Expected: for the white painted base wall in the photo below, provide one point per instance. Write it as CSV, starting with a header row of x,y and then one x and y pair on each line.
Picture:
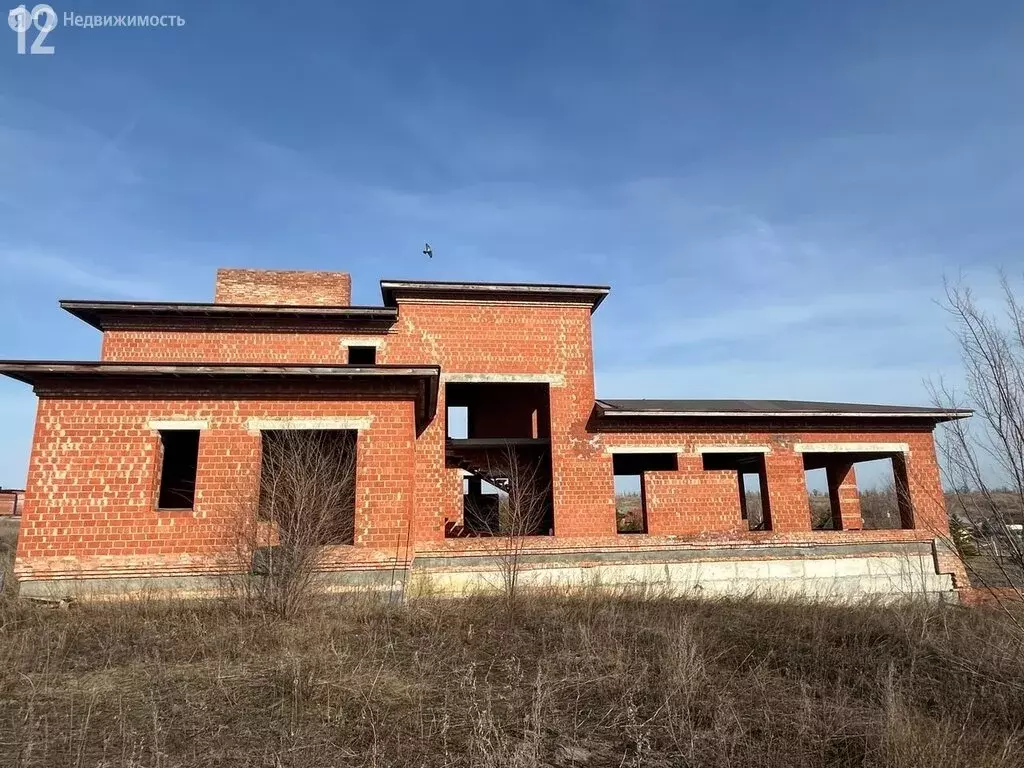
x,y
839,578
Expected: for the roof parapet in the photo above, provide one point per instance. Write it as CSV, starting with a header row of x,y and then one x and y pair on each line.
x,y
163,315
394,290
784,409
50,377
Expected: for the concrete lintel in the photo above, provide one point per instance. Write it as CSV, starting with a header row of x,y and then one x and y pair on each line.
x,y
341,422
701,450
851,448
552,379
644,449
361,341
168,425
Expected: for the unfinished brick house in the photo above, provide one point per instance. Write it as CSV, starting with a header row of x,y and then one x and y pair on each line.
x,y
136,459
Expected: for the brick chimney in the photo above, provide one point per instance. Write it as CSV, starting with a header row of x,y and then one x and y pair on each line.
x,y
287,287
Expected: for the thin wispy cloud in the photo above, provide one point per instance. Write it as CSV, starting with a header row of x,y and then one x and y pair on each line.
x,y
66,274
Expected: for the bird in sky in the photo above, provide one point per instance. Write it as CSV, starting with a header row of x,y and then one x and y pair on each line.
x,y
428,251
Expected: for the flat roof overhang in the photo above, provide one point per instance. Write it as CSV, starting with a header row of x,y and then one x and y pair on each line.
x,y
231,380
394,290
161,315
771,410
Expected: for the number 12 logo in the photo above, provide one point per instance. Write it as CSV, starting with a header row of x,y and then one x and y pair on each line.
x,y
21,20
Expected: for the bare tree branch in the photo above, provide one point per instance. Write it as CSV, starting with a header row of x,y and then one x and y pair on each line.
x,y
523,511
983,457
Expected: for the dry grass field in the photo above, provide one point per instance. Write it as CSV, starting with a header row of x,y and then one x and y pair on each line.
x,y
592,679
589,680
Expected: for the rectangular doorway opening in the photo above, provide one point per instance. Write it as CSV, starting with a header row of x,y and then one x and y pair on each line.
x,y
630,509
858,491
629,470
884,502
823,517
499,435
752,485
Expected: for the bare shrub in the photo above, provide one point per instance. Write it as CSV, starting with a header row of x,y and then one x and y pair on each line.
x,y
297,508
629,513
880,507
984,456
8,545
523,510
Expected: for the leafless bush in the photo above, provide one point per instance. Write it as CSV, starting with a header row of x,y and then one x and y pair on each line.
x,y
299,506
523,511
8,543
984,455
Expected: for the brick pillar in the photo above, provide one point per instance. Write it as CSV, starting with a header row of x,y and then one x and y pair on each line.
x,y
743,494
919,487
787,491
844,496
904,493
766,502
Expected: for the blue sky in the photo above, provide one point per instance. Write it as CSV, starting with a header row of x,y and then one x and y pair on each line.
x,y
774,191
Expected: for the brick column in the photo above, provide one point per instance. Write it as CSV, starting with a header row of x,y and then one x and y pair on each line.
x,y
844,496
787,491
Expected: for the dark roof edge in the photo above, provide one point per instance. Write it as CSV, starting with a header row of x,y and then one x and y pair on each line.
x,y
850,411
17,368
104,314
44,373
554,292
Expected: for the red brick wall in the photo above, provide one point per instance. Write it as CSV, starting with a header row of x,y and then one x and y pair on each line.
x,y
790,511
90,502
266,286
842,484
90,494
226,347
552,341
692,501
10,502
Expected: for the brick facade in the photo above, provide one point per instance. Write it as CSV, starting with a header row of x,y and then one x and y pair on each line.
x,y
90,506
266,286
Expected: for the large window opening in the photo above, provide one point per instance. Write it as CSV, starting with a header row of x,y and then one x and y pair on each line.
x,y
884,497
823,516
630,516
501,410
457,422
754,501
751,484
178,464
499,435
308,485
630,486
854,491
